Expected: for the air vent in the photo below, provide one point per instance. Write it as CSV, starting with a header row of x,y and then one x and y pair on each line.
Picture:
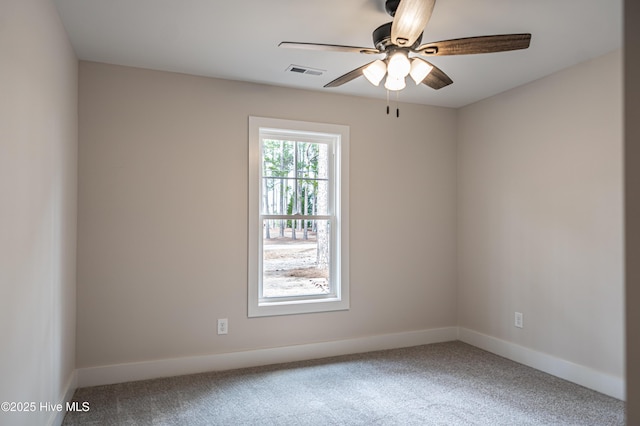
x,y
304,70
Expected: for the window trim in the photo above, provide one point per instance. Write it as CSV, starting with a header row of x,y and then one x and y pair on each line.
x,y
340,261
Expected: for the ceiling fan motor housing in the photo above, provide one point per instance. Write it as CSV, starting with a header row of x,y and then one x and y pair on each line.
x,y
382,37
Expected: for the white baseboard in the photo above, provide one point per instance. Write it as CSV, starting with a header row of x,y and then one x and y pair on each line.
x,y
70,387
120,373
584,376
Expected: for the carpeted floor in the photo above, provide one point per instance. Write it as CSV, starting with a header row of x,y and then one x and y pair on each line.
x,y
441,384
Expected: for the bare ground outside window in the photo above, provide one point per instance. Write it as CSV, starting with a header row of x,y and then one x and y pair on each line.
x,y
290,265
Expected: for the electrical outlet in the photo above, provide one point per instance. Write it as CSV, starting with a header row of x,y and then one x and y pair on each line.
x,y
223,326
519,320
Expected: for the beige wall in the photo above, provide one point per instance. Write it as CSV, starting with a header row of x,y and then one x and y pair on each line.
x,y
632,191
38,166
540,215
162,248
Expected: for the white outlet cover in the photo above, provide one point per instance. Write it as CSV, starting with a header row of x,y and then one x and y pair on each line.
x,y
223,326
519,320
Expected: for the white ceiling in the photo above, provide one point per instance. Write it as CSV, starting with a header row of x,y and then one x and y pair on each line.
x,y
238,40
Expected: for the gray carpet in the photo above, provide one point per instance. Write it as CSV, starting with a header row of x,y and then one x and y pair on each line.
x,y
441,384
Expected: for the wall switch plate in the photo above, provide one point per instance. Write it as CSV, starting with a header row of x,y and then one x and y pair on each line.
x,y
519,322
223,326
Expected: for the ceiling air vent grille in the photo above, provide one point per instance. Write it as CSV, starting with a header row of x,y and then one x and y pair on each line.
x,y
298,69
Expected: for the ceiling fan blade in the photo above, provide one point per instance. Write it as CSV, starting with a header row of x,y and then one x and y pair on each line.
x,y
472,45
436,79
409,21
328,47
351,75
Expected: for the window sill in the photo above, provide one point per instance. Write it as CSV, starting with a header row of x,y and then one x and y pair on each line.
x,y
265,309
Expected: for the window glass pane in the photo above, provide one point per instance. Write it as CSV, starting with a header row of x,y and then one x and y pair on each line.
x,y
313,197
278,195
312,160
277,158
295,196
296,258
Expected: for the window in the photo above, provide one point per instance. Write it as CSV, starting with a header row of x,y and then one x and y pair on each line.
x,y
298,217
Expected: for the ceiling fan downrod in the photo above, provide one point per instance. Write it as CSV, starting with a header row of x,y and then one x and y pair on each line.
x,y
391,6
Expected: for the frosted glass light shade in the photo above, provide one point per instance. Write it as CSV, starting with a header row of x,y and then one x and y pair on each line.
x,y
399,65
394,84
375,72
419,70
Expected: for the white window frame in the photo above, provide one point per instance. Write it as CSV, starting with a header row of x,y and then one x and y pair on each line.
x,y
337,136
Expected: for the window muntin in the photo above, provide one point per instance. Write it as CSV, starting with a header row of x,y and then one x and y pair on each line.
x,y
298,232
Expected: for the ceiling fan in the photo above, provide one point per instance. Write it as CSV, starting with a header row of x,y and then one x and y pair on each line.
x,y
399,39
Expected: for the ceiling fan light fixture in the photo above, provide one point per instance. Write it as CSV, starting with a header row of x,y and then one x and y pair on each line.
x,y
399,65
394,83
375,72
419,70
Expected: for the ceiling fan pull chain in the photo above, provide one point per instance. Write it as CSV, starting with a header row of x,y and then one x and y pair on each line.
x,y
387,102
397,104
